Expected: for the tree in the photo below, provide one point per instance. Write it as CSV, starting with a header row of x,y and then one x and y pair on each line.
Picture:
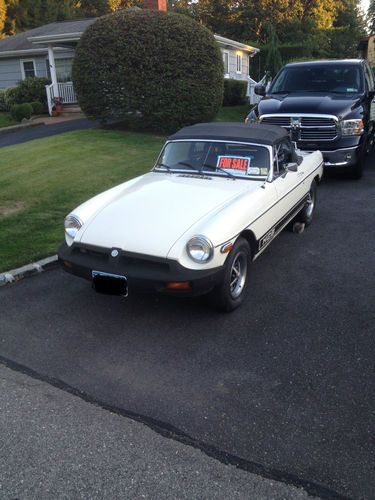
x,y
273,61
27,14
148,68
371,16
348,27
3,11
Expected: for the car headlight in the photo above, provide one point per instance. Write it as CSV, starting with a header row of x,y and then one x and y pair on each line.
x,y
72,225
352,127
200,249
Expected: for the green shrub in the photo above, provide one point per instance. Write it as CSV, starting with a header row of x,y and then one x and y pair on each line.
x,y
21,111
151,69
234,92
31,89
3,106
9,96
37,107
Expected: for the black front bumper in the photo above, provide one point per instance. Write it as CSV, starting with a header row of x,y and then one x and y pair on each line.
x,y
341,153
144,273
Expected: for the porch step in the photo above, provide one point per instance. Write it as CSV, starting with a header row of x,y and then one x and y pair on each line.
x,y
70,110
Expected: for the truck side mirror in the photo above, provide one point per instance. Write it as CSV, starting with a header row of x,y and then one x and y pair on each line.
x,y
260,89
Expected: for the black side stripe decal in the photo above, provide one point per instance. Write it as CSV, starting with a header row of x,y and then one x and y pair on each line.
x,y
271,233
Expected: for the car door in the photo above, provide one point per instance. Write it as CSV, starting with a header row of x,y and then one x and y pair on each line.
x,y
289,185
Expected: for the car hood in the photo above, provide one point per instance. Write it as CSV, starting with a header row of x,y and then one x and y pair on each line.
x,y
318,103
155,211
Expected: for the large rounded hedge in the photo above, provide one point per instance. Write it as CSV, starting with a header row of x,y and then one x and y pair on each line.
x,y
157,70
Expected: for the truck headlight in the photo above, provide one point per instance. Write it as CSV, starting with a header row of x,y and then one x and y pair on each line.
x,y
352,127
200,249
72,225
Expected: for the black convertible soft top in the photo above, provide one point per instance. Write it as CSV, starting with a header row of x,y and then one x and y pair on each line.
x,y
252,132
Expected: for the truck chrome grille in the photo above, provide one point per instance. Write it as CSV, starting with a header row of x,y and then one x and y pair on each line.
x,y
308,128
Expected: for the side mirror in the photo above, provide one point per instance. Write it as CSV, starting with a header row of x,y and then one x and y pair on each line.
x,y
260,89
291,167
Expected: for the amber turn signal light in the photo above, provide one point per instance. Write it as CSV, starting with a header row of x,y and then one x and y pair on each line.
x,y
178,285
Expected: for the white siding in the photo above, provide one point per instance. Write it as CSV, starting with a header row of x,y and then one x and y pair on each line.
x,y
10,69
233,64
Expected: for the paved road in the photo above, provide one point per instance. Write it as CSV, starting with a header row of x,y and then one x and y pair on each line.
x,y
28,134
60,447
283,384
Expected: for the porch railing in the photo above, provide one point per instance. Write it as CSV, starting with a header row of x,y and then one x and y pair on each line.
x,y
65,91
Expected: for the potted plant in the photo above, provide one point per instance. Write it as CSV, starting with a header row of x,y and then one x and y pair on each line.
x,y
57,106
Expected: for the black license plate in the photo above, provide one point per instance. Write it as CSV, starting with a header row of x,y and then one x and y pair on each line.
x,y
110,284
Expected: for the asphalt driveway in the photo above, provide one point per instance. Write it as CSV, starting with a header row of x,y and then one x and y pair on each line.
x,y
28,134
284,385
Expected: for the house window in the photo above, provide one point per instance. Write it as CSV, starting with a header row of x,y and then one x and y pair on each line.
x,y
226,62
239,63
28,68
64,69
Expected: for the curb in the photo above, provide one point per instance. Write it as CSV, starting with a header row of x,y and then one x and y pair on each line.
x,y
28,270
17,128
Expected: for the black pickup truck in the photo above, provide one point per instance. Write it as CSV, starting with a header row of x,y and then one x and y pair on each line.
x,y
326,105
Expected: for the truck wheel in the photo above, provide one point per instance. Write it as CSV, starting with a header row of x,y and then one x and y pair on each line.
x,y
231,292
355,172
307,213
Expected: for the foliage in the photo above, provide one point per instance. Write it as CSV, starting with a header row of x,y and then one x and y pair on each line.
x,y
6,120
273,60
21,111
3,11
38,107
348,28
233,113
371,16
3,105
150,69
22,15
10,96
234,92
31,89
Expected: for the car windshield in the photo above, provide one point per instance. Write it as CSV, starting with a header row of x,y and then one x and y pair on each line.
x,y
334,78
216,158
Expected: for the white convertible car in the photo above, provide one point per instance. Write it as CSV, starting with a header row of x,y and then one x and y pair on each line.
x,y
217,196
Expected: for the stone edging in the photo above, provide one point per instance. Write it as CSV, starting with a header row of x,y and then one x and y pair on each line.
x,y
28,270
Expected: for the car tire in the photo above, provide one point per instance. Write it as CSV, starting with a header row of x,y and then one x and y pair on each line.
x,y
231,292
306,215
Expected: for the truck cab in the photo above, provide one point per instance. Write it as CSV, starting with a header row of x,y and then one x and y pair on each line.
x,y
325,105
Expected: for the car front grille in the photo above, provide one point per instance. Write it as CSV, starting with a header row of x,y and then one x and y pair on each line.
x,y
308,128
128,261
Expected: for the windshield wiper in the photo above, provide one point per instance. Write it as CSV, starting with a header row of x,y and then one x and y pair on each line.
x,y
220,170
185,164
164,166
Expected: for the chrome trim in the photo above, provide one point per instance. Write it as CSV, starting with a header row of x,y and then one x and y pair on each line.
x,y
203,238
318,128
339,164
75,218
334,150
302,115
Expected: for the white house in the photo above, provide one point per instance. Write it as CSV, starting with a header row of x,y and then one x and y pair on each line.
x,y
49,51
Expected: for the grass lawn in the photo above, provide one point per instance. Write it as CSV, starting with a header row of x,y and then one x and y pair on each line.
x,y
233,113
6,120
41,181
